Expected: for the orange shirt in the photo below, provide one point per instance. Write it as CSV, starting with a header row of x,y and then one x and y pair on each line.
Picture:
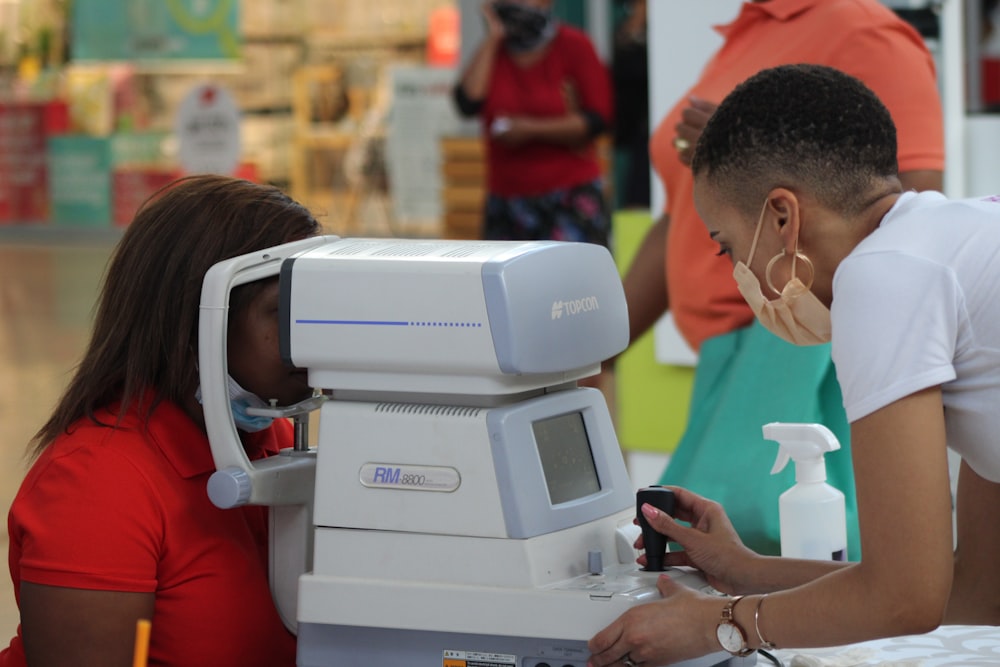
x,y
860,37
127,510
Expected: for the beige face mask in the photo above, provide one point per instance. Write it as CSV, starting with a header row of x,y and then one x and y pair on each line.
x,y
796,316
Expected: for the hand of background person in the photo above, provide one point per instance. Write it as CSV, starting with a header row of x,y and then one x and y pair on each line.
x,y
494,26
693,120
571,98
710,542
511,130
680,626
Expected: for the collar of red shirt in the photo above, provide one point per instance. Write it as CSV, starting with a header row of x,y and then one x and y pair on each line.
x,y
185,445
779,10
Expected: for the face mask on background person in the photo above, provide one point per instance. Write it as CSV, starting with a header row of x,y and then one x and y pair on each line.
x,y
239,400
527,28
796,316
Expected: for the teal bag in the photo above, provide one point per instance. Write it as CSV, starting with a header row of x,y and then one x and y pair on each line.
x,y
744,380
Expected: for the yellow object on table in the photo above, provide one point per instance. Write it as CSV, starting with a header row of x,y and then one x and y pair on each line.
x,y
140,656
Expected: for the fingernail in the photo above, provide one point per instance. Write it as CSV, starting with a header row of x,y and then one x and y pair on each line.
x,y
650,511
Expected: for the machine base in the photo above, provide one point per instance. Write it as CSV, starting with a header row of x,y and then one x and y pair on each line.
x,y
334,645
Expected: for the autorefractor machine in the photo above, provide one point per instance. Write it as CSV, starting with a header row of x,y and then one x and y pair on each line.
x,y
466,504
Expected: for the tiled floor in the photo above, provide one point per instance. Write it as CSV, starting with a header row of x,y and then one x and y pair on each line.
x,y
47,292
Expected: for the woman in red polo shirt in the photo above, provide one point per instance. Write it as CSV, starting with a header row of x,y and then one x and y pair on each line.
x,y
113,522
543,97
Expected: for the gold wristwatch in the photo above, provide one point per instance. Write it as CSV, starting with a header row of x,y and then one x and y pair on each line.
x,y
731,636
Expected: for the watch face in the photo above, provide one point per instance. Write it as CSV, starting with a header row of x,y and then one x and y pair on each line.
x,y
730,637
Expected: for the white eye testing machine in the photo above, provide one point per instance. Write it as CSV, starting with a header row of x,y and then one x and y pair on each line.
x,y
467,504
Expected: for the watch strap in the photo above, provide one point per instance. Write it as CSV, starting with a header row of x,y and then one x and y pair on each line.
x,y
729,617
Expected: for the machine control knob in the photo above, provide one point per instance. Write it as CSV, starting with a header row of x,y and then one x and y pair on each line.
x,y
654,543
229,488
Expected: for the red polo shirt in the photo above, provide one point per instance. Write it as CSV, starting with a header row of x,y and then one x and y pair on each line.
x,y
570,75
123,509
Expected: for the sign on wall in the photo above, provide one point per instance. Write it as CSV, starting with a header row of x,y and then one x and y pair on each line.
x,y
155,29
208,131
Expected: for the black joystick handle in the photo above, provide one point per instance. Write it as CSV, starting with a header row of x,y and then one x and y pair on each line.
x,y
654,543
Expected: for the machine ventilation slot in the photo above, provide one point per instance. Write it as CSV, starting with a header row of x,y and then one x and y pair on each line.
x,y
465,250
415,250
356,248
432,410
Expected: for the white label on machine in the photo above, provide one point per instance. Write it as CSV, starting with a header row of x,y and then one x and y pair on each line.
x,y
477,659
410,477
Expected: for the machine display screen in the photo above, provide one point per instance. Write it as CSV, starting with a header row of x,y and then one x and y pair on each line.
x,y
567,461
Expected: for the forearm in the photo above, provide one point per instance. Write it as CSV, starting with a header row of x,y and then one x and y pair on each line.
x,y
925,179
475,80
769,574
850,605
974,596
571,130
975,590
903,583
645,281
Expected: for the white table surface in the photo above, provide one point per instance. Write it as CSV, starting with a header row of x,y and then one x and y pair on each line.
x,y
948,646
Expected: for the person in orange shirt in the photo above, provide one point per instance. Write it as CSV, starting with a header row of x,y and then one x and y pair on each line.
x,y
745,376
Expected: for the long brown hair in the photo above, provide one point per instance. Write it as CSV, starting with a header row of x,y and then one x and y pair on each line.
x,y
144,346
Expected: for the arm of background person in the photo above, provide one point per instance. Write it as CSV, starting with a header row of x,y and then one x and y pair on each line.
x,y
926,179
84,628
645,281
474,83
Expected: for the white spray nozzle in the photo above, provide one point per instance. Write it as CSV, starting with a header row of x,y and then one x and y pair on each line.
x,y
806,444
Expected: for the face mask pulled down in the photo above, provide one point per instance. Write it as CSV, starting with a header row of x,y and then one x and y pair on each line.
x,y
239,400
796,316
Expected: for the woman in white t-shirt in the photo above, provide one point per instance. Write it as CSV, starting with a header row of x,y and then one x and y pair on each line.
x,y
795,178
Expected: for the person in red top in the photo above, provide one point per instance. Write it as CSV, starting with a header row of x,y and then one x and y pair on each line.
x,y
746,377
113,523
543,96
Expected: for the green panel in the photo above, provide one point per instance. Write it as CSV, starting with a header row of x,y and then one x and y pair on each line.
x,y
652,399
573,12
80,180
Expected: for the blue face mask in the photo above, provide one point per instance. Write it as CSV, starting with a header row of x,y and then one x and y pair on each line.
x,y
239,400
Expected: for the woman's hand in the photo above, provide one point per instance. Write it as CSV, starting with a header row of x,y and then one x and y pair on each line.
x,y
693,120
710,543
681,626
495,31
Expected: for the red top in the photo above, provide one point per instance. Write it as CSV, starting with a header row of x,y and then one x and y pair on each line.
x,y
127,510
570,69
860,37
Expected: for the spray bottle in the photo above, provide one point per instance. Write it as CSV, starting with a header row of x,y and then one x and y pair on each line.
x,y
812,515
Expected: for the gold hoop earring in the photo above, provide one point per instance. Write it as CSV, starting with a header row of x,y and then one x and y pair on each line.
x,y
797,257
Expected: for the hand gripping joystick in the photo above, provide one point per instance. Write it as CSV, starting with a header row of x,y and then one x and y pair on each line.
x,y
655,543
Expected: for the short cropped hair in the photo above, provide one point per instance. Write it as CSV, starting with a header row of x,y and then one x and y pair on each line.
x,y
806,127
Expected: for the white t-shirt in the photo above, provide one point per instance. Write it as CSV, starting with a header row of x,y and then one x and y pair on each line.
x,y
917,304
